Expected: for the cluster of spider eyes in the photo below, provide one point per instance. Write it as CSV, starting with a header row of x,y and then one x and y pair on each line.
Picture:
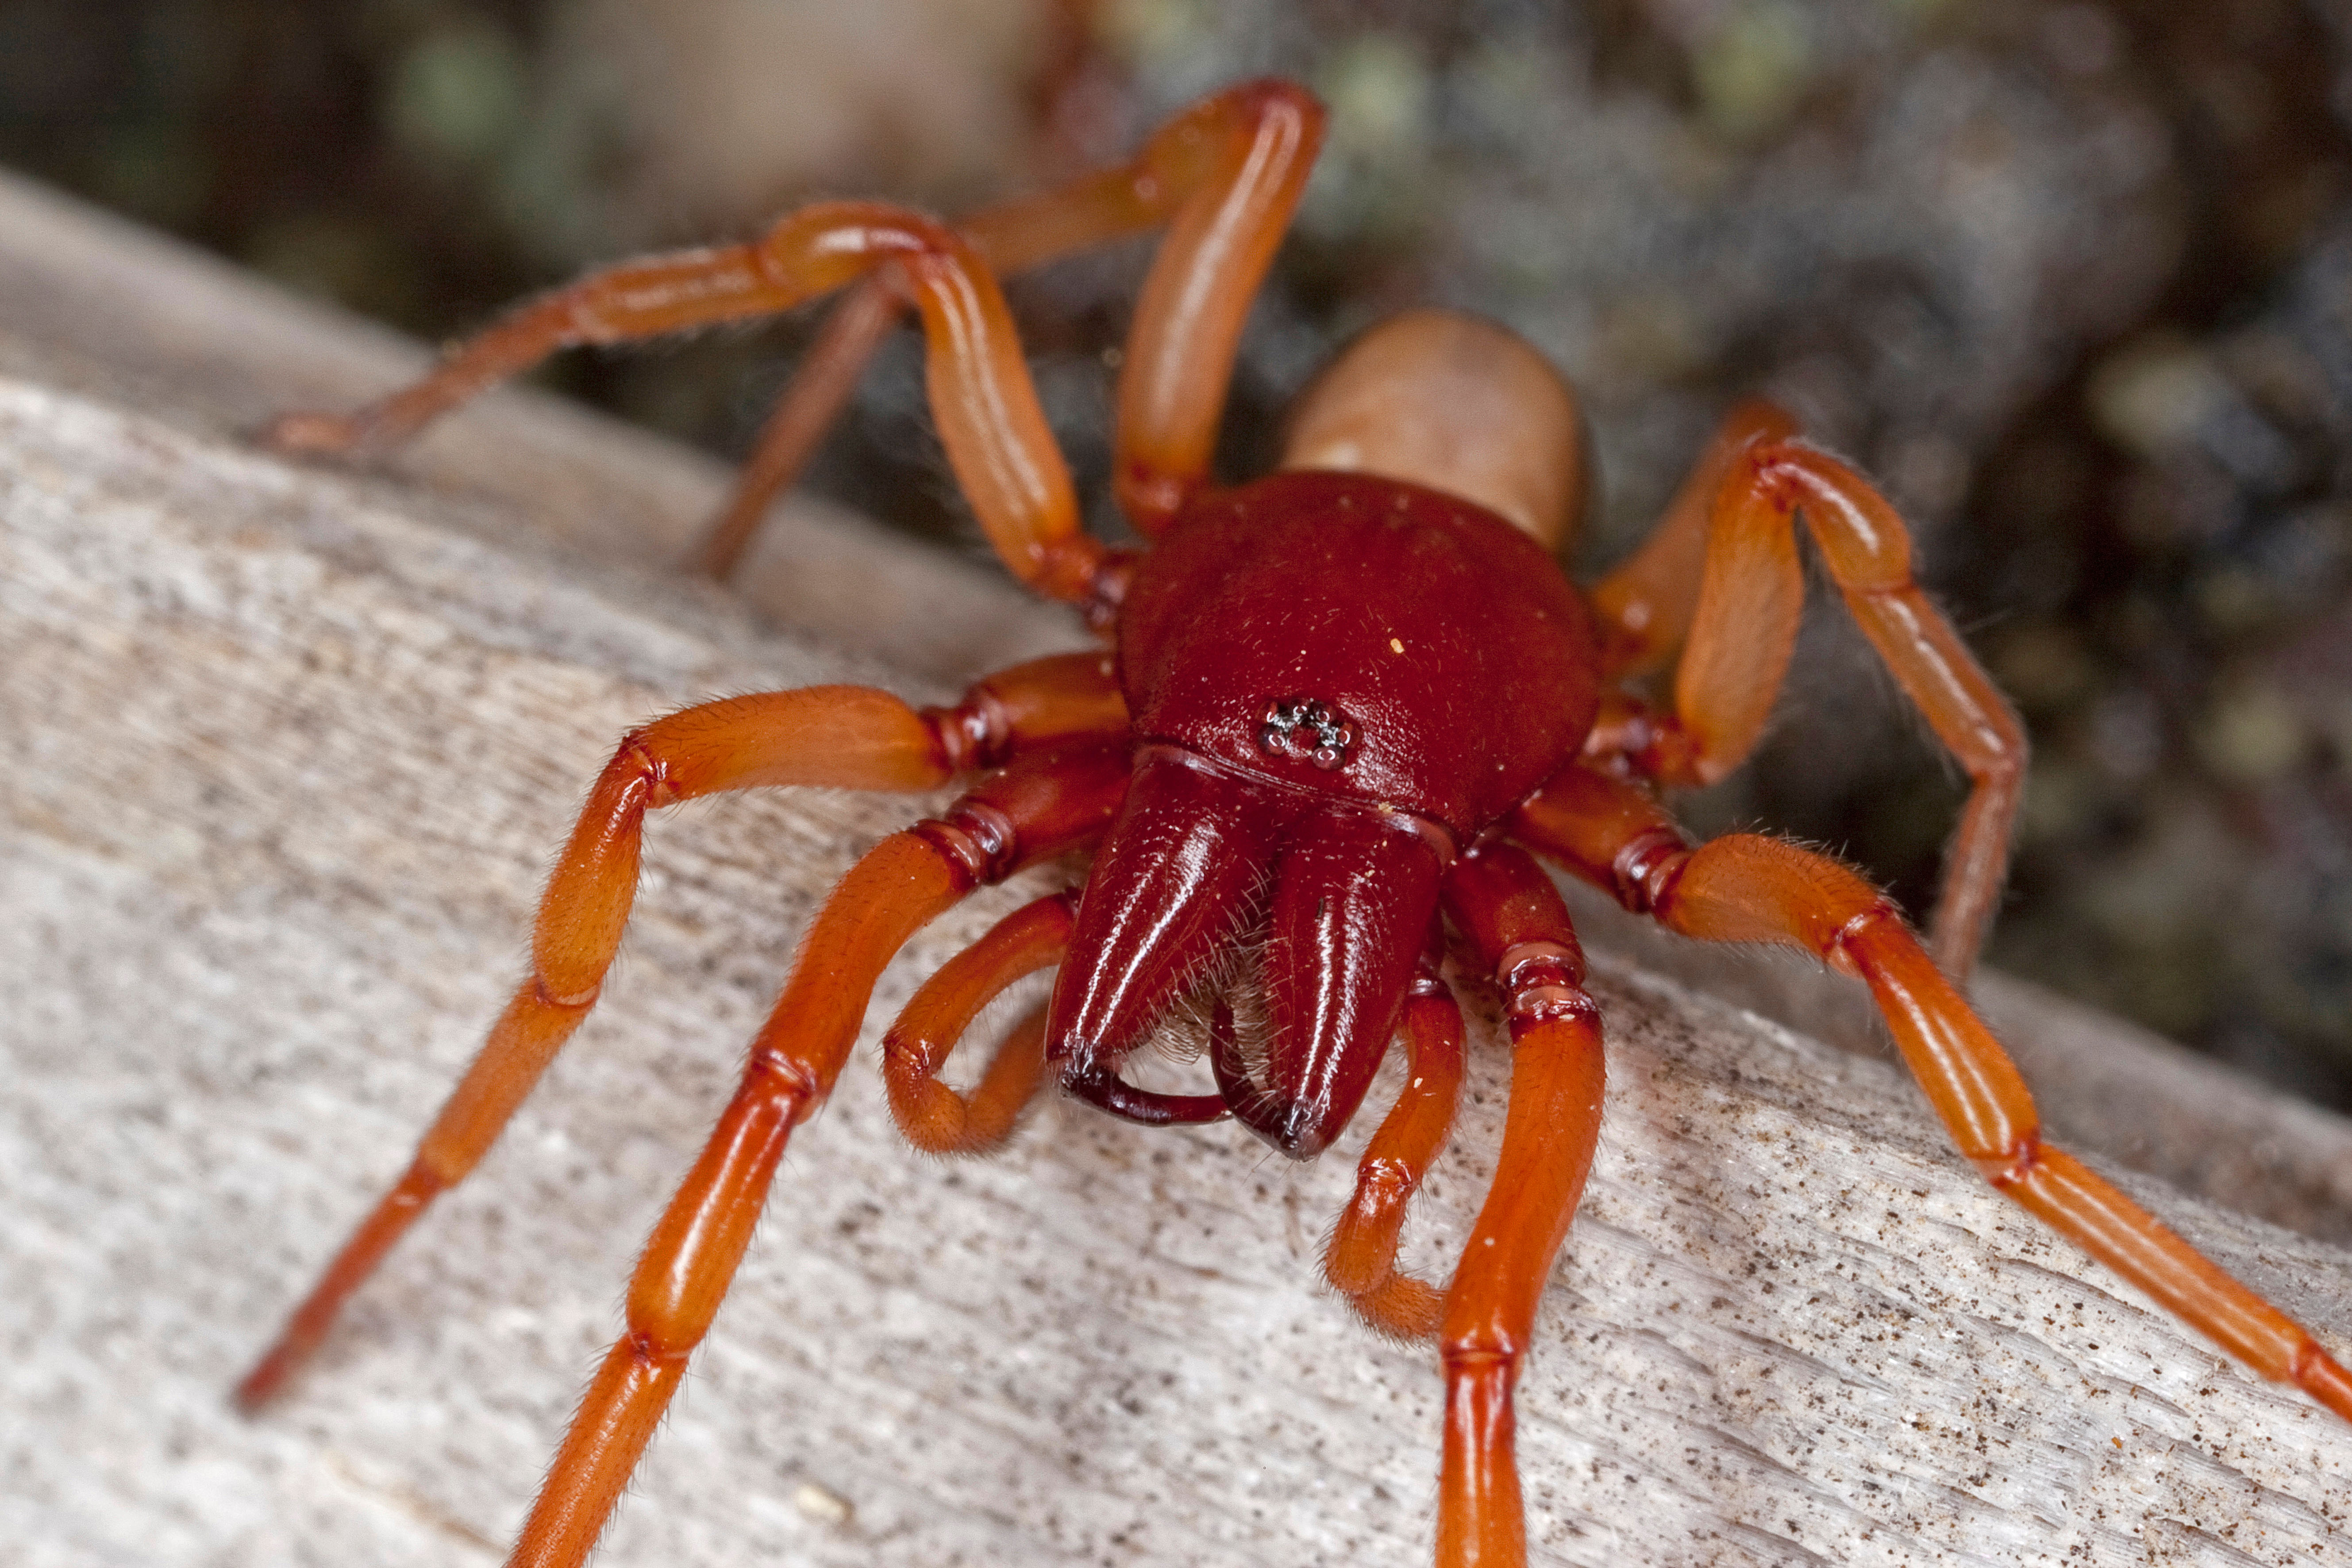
x,y
1302,727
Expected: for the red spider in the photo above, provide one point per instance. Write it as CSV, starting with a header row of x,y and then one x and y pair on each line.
x,y
1345,702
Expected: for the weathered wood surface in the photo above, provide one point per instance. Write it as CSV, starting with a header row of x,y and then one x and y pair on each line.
x,y
291,750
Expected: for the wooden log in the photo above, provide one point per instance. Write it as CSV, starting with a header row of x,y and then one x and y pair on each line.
x,y
293,748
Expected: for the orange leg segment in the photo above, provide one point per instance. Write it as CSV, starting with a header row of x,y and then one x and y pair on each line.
x,y
845,737
1011,236
827,376
1244,157
1645,604
1225,174
1228,171
1751,597
995,433
1518,928
1360,1261
1744,888
933,1117
1029,813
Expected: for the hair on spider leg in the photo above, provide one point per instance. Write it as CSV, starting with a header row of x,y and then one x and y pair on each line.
x,y
993,1031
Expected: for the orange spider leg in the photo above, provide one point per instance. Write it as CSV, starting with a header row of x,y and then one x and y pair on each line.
x,y
1743,888
846,737
827,375
1519,930
1868,551
1228,171
1256,146
1645,604
934,1117
1033,810
1743,626
1360,1261
995,435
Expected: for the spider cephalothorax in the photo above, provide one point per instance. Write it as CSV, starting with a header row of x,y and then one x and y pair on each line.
x,y
1344,708
1464,665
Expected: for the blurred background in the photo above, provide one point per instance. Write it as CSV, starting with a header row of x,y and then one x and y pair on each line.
x,y
2073,280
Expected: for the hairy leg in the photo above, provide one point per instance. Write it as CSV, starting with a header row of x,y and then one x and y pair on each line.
x,y
995,433
933,1117
1360,1261
1644,607
1237,155
827,375
1520,931
1743,627
843,737
1744,888
1224,173
1031,811
1254,147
